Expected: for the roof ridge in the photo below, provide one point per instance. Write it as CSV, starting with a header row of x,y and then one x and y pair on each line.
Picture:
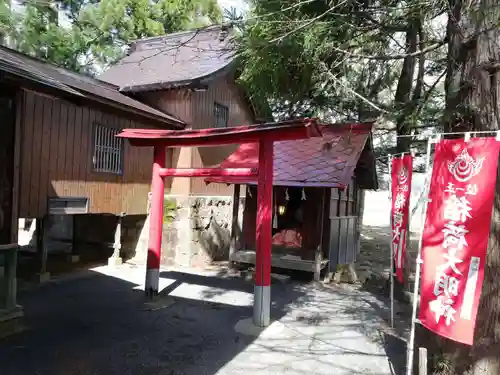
x,y
57,67
166,37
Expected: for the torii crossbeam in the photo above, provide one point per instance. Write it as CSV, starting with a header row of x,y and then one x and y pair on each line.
x,y
265,135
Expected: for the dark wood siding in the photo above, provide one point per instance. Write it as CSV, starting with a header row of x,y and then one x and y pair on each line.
x,y
56,159
7,171
223,92
176,103
17,166
196,109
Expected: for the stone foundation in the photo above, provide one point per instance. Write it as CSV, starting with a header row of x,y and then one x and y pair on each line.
x,y
199,233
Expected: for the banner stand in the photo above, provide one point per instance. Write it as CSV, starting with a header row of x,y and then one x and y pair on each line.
x,y
411,343
391,255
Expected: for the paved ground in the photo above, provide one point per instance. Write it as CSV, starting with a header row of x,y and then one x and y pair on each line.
x,y
101,325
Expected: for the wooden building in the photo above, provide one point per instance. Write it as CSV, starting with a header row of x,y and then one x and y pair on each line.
x,y
192,76
318,198
60,156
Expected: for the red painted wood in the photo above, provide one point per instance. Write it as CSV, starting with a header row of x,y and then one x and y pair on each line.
x,y
326,161
264,214
207,172
156,215
288,130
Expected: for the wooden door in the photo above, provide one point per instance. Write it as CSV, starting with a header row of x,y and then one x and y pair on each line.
x,y
343,244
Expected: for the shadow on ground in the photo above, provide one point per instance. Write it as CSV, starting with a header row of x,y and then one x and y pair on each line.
x,y
100,325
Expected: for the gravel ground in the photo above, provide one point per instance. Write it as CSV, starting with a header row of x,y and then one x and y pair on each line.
x,y
373,259
100,324
373,265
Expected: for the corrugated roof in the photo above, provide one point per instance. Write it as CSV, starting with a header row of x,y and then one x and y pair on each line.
x,y
173,60
326,161
26,67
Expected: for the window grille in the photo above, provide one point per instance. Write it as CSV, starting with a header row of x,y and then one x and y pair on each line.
x,y
221,114
108,150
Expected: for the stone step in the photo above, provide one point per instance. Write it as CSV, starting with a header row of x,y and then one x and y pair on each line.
x,y
11,321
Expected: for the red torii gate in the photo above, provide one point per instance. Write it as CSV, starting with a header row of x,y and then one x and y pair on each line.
x,y
265,135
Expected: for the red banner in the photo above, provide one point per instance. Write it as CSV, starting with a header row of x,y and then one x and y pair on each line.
x,y
401,172
455,235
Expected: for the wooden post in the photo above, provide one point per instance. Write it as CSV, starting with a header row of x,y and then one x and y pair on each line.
x,y
10,278
318,256
422,361
74,256
42,249
234,224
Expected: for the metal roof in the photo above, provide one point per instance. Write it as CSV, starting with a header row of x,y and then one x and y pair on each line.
x,y
27,68
326,161
173,60
16,64
292,129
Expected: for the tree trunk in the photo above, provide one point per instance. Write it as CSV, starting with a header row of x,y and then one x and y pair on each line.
x,y
472,80
472,92
406,101
405,87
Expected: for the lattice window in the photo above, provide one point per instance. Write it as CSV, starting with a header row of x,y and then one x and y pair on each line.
x,y
221,114
108,150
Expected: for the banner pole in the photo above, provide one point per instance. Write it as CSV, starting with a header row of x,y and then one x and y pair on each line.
x,y
391,255
411,343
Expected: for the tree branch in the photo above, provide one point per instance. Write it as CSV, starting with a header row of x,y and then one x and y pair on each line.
x,y
391,57
310,22
429,92
359,96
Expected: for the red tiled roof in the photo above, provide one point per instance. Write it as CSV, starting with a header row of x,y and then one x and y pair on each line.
x,y
327,161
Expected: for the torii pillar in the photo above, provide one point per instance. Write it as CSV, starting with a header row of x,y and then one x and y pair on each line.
x,y
262,289
155,224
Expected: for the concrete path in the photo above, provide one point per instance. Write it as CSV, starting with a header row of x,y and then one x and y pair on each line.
x,y
101,325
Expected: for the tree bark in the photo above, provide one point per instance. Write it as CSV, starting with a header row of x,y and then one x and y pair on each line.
x,y
404,99
472,92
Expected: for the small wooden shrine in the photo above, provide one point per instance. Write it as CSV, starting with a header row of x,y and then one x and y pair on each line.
x,y
318,188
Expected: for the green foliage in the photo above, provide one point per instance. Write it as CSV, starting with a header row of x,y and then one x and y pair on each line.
x,y
6,21
89,34
169,211
308,58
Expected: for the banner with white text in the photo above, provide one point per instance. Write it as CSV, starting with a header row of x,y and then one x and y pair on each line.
x,y
401,173
455,235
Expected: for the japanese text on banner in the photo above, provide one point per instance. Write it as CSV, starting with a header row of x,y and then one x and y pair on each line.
x,y
455,236
400,207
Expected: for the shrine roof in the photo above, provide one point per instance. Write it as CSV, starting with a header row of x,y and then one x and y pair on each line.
x,y
329,160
